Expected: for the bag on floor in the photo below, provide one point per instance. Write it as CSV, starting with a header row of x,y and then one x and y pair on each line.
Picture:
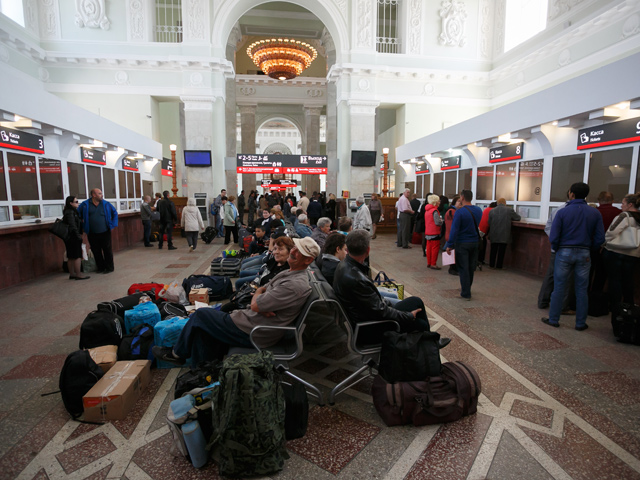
x,y
296,417
140,314
100,328
170,309
209,234
197,377
249,389
409,357
175,293
441,399
166,332
79,374
416,238
218,287
243,234
146,287
385,284
626,324
137,345
598,304
121,305
228,267
89,265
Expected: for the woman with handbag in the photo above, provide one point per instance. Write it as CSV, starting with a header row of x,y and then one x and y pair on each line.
x,y
71,218
621,252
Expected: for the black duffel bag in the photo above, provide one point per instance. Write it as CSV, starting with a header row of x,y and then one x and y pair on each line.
x,y
121,305
296,418
218,287
170,309
409,357
100,328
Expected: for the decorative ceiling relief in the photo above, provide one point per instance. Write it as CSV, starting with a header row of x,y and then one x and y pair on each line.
x,y
48,19
43,74
31,15
92,14
122,78
195,20
454,16
363,85
631,26
501,9
196,79
342,6
248,91
314,93
564,58
136,20
429,89
486,28
415,27
558,7
365,23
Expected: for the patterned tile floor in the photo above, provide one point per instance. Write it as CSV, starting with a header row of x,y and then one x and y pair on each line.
x,y
556,403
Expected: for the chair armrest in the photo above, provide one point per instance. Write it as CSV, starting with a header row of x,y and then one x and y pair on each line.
x,y
361,325
270,327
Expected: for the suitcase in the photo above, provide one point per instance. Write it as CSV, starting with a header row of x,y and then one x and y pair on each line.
x,y
209,234
626,324
156,288
598,304
228,267
243,234
442,399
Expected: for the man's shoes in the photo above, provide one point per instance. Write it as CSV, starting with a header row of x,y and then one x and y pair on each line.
x,y
160,247
582,328
190,248
435,267
407,246
165,354
468,299
172,248
568,311
443,342
108,271
454,272
546,321
82,278
542,306
149,245
99,271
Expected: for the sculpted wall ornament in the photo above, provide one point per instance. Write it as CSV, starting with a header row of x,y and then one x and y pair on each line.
x,y
196,79
564,58
558,7
486,28
92,14
519,79
195,19
342,6
314,93
365,22
415,23
499,30
48,16
122,78
363,85
136,20
43,74
248,91
429,89
454,16
631,26
31,15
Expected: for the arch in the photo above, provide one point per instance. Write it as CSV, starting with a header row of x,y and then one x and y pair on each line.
x,y
283,118
277,147
231,11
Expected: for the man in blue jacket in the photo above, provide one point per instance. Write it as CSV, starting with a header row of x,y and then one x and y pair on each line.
x,y
576,230
99,217
464,239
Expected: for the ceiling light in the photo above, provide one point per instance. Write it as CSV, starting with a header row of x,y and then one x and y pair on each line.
x,y
282,58
554,123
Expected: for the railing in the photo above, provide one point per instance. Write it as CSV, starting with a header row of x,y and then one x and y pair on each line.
x,y
168,21
387,45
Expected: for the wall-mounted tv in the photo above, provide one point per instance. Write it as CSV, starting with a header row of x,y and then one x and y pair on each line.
x,y
197,158
363,158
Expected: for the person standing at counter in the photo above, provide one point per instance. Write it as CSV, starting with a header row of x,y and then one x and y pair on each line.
x,y
98,219
168,218
73,243
145,217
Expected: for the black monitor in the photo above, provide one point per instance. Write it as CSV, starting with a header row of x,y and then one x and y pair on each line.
x,y
363,158
197,158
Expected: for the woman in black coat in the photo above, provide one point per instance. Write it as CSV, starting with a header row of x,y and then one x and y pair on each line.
x,y
73,243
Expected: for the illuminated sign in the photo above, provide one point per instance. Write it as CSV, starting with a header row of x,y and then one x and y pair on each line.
x,y
450,163
128,164
513,151
19,140
625,131
88,155
258,163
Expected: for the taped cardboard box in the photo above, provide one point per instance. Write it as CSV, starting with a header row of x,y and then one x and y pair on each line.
x,y
105,356
115,394
199,295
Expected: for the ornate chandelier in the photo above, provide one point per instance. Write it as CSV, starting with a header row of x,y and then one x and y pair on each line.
x,y
282,58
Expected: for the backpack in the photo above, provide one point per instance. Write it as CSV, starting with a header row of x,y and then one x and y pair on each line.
x,y
289,229
218,287
100,328
248,417
170,309
197,377
79,374
121,305
142,313
137,344
209,234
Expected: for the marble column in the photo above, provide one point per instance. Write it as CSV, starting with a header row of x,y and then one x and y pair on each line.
x,y
248,145
311,183
362,129
332,140
231,174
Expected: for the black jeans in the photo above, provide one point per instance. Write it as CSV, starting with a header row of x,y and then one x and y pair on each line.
x,y
168,229
146,225
466,259
496,257
227,234
101,247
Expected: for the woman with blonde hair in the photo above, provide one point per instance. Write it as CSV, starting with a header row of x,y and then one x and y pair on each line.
x,y
432,230
191,223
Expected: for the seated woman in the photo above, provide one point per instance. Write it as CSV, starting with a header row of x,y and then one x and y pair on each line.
x,y
333,252
275,264
265,220
250,270
277,219
322,230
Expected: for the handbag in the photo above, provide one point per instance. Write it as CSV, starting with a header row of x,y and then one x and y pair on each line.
x,y
385,284
242,297
60,229
625,235
409,357
155,216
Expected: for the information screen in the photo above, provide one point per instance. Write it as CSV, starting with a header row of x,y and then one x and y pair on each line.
x,y
306,164
615,133
129,164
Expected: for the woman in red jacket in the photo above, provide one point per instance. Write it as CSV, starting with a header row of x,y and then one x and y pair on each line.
x,y
432,230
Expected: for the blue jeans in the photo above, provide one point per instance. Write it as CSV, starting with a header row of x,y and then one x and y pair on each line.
x,y
576,261
245,279
146,225
208,335
252,262
466,258
219,224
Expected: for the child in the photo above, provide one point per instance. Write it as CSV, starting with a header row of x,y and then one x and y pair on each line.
x,y
259,244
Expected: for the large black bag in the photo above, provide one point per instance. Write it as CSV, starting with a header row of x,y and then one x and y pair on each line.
x,y
170,309
598,304
218,287
626,324
242,297
60,229
137,344
228,267
121,305
79,374
296,418
100,328
409,357
209,234
197,377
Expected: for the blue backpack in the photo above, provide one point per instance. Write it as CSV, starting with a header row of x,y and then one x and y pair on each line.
x,y
137,345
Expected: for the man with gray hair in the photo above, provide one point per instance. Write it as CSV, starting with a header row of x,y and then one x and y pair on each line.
x,y
361,300
406,214
362,218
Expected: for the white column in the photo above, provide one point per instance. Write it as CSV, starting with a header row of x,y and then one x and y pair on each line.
x,y
312,134
248,143
362,128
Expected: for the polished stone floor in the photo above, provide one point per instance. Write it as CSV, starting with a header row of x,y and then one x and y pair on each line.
x,y
555,403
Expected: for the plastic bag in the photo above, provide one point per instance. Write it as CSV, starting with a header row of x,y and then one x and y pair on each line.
x,y
174,293
85,255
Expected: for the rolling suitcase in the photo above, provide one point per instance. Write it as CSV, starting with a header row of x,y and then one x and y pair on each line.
x,y
626,324
228,267
209,234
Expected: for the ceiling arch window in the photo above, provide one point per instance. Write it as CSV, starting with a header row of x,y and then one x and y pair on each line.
x,y
523,20
277,149
168,27
387,37
14,10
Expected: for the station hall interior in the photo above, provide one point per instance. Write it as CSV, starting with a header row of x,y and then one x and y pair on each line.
x,y
511,99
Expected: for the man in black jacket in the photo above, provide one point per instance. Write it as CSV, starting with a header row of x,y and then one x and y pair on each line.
x,y
168,217
363,303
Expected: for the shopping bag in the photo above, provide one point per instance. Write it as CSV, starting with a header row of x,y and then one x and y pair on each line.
x,y
89,265
449,258
385,284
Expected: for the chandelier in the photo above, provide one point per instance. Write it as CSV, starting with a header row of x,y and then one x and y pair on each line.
x,y
282,58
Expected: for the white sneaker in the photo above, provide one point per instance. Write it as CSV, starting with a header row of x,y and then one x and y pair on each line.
x,y
190,249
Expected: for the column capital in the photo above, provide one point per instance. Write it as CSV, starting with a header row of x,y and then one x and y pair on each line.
x,y
248,109
192,102
312,110
363,107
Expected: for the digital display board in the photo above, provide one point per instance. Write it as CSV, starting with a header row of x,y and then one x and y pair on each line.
x,y
97,157
625,131
258,163
19,140
513,151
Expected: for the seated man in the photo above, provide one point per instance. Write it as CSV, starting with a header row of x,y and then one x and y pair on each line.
x,y
363,303
209,333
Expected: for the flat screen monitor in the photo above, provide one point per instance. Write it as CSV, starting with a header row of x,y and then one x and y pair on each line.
x,y
363,158
197,158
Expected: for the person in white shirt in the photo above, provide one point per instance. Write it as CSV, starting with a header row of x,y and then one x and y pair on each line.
x,y
362,218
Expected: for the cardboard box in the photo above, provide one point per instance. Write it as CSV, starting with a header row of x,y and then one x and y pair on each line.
x,y
115,394
106,356
199,295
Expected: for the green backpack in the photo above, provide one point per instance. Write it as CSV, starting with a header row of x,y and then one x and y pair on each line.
x,y
248,417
